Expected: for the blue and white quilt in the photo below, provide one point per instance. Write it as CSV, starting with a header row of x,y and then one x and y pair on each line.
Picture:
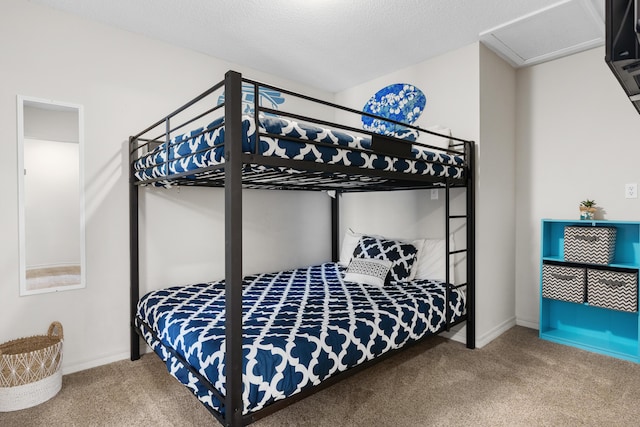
x,y
299,328
204,147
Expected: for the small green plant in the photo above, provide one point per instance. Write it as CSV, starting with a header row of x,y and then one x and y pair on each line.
x,y
588,203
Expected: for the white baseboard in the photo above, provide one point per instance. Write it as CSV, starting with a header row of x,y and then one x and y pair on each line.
x,y
81,366
528,324
494,333
457,333
77,367
460,334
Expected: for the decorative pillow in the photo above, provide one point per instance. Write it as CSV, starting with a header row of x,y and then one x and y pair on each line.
x,y
402,255
369,271
350,241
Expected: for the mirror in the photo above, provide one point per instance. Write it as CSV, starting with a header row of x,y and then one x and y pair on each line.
x,y
51,197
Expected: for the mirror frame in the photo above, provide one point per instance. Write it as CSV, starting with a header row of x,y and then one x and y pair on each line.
x,y
54,105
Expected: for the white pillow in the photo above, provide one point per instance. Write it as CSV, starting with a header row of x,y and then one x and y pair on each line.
x,y
432,258
350,241
436,141
369,271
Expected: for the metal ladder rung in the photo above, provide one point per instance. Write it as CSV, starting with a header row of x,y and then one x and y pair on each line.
x,y
457,216
457,251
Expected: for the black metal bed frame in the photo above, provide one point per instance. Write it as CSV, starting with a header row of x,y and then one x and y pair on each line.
x,y
233,175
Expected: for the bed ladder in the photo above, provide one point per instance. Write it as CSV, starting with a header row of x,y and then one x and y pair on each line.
x,y
468,250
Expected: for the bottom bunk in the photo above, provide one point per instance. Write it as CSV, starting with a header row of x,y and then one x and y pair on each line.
x,y
300,328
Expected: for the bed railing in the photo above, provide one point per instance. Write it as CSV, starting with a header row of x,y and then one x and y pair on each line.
x,y
157,139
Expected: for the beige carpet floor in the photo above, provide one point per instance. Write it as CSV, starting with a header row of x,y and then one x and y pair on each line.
x,y
517,380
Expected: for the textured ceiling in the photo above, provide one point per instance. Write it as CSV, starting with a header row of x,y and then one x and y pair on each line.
x,y
328,44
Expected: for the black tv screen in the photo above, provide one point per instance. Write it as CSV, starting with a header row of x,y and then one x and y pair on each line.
x,y
637,19
623,45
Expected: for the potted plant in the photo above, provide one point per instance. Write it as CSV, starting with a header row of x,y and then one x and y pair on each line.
x,y
587,209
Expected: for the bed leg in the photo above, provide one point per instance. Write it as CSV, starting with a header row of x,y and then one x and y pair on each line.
x,y
471,246
134,258
471,329
335,226
135,344
233,248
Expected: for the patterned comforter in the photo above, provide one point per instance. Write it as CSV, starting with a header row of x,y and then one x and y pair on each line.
x,y
204,147
299,328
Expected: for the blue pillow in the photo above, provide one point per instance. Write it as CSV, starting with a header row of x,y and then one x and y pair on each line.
x,y
402,255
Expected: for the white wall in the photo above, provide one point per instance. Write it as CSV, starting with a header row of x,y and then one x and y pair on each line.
x,y
281,230
471,91
495,222
125,82
450,83
578,137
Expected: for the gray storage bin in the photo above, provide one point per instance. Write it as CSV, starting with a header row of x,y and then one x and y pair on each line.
x,y
589,245
613,289
563,283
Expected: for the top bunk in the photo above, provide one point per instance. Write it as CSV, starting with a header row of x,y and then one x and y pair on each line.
x,y
312,145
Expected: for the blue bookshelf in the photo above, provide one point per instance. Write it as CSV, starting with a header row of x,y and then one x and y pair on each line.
x,y
602,330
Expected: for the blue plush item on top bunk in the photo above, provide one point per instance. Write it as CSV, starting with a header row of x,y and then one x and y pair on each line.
x,y
300,327
204,148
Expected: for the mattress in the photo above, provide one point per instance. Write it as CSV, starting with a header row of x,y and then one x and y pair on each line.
x,y
300,327
204,147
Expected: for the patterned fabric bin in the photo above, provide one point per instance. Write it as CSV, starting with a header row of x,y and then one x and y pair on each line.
x,y
589,245
30,369
563,283
613,289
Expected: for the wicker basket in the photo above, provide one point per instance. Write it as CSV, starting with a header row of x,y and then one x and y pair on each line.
x,y
30,369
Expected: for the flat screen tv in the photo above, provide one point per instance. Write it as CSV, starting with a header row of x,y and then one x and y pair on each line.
x,y
623,45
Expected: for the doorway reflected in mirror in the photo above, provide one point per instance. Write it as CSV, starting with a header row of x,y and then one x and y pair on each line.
x,y
50,142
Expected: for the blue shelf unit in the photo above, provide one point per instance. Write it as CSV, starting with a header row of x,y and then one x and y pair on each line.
x,y
602,330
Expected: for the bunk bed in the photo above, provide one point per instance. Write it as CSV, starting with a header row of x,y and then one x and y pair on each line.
x,y
248,346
